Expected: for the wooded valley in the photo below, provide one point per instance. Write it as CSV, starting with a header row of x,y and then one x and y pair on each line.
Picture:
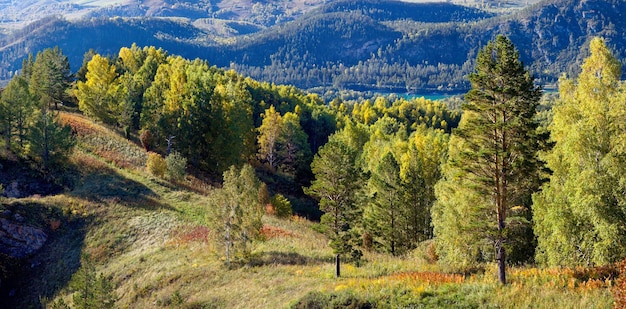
x,y
182,184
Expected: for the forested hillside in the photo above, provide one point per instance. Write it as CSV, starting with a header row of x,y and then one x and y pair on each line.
x,y
137,177
368,45
156,181
433,56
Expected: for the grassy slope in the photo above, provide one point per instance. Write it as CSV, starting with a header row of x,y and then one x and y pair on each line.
x,y
150,237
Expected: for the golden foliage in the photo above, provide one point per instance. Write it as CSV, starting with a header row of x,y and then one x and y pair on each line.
x,y
156,165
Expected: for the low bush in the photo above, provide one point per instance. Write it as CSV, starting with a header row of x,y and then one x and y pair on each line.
x,y
315,300
146,139
281,205
176,166
156,164
312,300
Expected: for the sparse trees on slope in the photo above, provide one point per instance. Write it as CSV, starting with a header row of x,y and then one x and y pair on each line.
x,y
497,158
26,113
579,215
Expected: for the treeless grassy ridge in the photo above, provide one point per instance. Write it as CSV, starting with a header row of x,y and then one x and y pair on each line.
x,y
154,240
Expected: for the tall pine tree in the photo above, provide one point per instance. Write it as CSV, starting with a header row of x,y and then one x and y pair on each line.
x,y
17,105
384,215
336,185
497,160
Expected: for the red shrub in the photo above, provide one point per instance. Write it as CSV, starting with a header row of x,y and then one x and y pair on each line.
x,y
268,231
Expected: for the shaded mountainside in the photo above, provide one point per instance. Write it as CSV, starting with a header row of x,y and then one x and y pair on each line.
x,y
387,45
550,36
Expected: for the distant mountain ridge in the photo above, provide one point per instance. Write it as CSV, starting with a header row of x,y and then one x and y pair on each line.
x,y
422,56
385,45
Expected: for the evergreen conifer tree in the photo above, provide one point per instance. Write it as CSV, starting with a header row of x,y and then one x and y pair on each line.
x,y
497,161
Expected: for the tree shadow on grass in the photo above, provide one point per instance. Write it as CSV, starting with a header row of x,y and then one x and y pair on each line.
x,y
43,274
285,258
21,178
107,185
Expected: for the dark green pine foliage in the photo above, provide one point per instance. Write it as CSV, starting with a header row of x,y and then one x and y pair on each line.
x,y
90,290
336,185
50,141
384,216
16,107
501,139
51,76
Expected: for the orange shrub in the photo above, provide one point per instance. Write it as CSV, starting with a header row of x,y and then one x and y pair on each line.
x,y
619,289
146,139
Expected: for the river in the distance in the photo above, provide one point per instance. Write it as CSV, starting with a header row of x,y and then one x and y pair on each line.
x,y
433,96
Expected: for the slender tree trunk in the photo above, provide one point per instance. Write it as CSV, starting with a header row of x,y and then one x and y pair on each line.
x,y
46,139
228,244
501,262
170,142
7,136
393,230
337,265
503,203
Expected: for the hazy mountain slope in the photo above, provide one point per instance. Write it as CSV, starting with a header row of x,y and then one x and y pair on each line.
x,y
106,36
266,13
336,33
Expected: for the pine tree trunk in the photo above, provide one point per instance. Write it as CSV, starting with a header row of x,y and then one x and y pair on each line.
x,y
502,264
7,136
